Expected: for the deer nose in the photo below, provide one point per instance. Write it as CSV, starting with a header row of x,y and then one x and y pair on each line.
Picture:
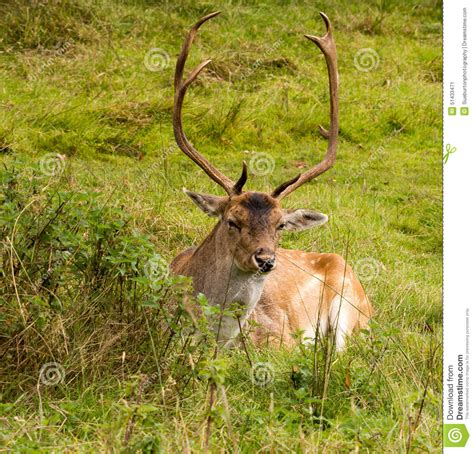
x,y
265,259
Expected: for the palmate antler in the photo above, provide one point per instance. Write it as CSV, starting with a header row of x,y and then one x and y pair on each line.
x,y
327,46
180,88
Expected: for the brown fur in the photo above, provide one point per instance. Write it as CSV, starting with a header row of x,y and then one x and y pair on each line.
x,y
298,294
307,291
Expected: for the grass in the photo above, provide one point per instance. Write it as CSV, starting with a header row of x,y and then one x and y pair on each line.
x,y
74,240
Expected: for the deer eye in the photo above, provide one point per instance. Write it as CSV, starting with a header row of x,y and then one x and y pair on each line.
x,y
233,226
281,226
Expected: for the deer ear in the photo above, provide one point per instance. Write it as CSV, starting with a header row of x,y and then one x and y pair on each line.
x,y
212,205
297,220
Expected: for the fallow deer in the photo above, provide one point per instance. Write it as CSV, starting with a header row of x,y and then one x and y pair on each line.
x,y
239,263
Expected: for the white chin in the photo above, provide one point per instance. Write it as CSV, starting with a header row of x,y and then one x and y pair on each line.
x,y
245,269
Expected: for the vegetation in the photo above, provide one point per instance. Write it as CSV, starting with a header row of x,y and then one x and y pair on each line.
x,y
98,352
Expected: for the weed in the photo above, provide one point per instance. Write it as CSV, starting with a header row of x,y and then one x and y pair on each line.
x,y
99,347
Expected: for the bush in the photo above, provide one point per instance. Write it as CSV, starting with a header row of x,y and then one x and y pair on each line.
x,y
81,288
49,24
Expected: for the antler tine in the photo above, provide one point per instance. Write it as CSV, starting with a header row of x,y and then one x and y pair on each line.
x,y
328,48
180,88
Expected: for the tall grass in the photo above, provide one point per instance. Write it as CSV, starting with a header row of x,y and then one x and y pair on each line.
x,y
98,344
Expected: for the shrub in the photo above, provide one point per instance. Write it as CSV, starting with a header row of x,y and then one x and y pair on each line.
x,y
83,289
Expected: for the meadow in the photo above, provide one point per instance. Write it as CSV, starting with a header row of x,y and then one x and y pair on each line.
x,y
97,350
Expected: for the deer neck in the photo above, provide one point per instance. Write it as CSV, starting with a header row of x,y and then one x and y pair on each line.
x,y
216,275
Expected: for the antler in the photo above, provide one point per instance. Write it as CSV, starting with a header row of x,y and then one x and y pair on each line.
x,y
328,47
180,88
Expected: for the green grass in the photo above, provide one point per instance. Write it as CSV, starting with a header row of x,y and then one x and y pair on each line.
x,y
75,84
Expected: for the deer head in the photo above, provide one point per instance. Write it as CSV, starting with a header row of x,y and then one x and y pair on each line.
x,y
250,223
